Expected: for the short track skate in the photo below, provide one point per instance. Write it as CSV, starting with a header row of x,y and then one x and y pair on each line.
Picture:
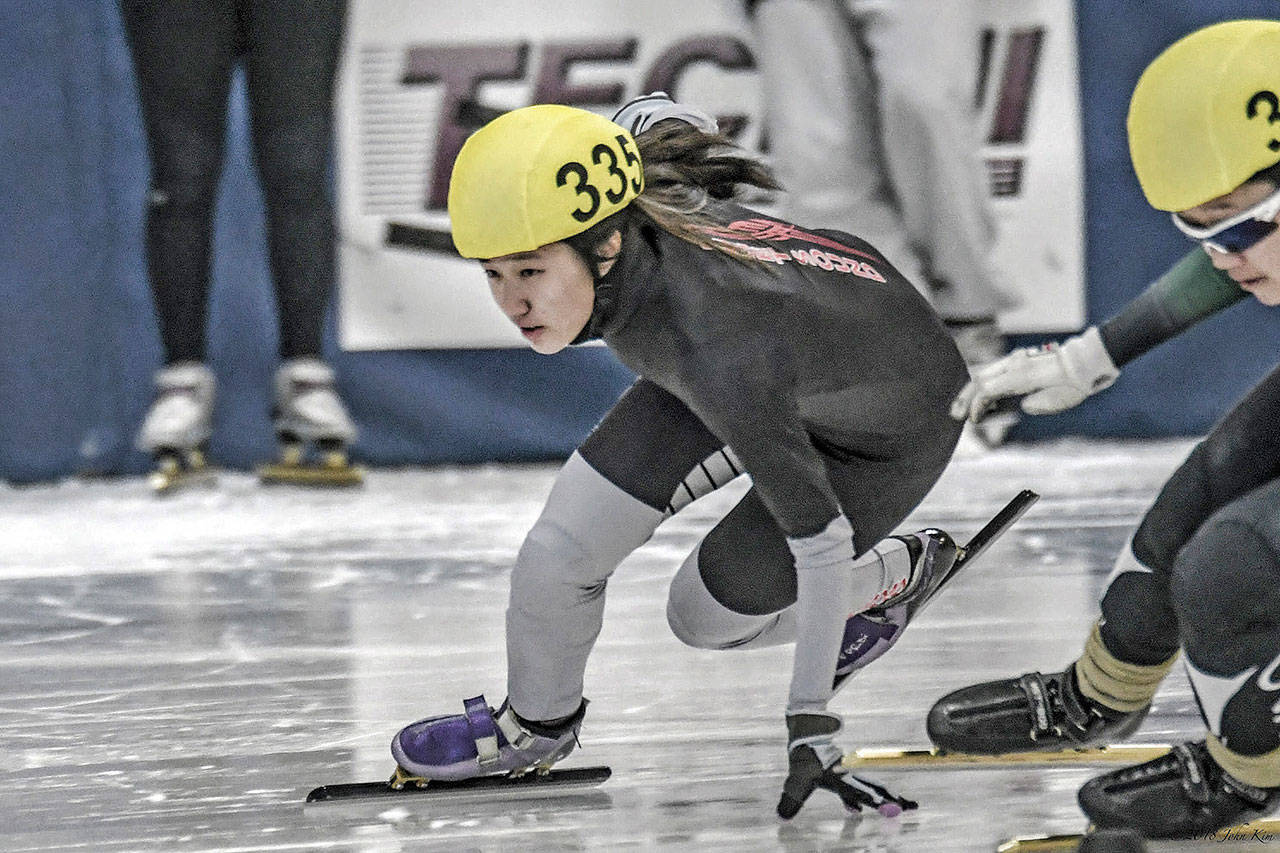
x,y
871,633
324,463
178,469
533,783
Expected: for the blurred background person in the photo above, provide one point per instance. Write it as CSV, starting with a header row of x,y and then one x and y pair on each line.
x,y
872,128
184,54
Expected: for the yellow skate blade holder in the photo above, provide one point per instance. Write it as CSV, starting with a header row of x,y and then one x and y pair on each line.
x,y
1041,843
335,469
401,778
175,471
1255,830
1124,753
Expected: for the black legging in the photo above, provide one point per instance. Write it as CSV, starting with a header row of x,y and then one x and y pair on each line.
x,y
184,54
1212,541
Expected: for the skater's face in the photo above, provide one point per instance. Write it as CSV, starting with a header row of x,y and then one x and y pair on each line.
x,y
548,293
1255,268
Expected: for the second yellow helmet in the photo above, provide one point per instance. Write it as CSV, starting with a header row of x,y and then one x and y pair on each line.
x,y
1205,114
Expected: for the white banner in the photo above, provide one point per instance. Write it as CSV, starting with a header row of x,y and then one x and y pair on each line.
x,y
1033,153
419,76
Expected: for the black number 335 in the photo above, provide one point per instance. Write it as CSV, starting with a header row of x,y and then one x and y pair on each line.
x,y
615,191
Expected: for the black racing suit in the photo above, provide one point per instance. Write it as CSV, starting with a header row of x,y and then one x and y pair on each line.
x,y
184,54
823,369
1212,537
816,368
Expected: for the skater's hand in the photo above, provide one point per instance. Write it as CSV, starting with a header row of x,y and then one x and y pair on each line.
x,y
1049,379
814,761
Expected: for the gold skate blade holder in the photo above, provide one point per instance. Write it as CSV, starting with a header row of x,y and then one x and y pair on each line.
x,y
1255,830
179,469
401,777
1123,753
333,469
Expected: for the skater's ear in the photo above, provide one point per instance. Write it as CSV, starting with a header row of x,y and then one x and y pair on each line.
x,y
607,252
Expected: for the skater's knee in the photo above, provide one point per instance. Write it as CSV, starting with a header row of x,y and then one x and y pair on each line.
x,y
1139,625
699,620
185,179
552,567
686,600
1225,585
684,630
745,564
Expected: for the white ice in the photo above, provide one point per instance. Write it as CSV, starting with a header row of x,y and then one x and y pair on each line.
x,y
178,672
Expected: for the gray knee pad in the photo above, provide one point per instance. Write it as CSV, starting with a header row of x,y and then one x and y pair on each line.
x,y
586,529
1225,585
697,619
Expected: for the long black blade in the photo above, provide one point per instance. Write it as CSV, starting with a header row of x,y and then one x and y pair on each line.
x,y
531,783
996,527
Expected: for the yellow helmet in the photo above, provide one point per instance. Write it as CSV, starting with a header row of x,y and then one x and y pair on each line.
x,y
538,175
1205,114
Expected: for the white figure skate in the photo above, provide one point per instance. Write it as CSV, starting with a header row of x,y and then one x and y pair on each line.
x,y
177,427
313,428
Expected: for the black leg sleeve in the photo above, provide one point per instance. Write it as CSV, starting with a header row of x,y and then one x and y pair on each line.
x,y
292,58
653,448
1226,590
183,53
1239,454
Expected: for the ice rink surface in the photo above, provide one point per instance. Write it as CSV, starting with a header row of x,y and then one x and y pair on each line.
x,y
177,673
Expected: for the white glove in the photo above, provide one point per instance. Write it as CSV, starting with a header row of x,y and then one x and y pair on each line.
x,y
1049,378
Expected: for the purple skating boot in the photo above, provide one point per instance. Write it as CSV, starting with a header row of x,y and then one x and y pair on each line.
x,y
480,742
870,634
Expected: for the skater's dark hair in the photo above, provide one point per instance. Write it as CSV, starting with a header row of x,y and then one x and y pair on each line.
x,y
1270,174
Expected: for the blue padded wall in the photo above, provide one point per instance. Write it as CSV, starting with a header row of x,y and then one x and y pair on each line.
x,y
78,341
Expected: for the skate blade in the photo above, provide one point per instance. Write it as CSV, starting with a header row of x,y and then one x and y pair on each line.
x,y
995,528
1123,753
1041,843
1255,831
554,783
284,473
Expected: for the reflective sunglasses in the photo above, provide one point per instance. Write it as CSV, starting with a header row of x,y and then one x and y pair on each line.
x,y
1240,231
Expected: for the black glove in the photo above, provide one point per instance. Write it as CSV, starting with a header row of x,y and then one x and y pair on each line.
x,y
814,762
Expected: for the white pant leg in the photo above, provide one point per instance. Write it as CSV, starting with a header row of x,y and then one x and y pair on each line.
x,y
823,128
925,58
698,620
558,584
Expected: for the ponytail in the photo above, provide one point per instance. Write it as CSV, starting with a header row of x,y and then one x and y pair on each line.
x,y
684,170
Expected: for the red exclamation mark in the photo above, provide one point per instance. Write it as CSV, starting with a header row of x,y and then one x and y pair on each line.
x,y
1013,102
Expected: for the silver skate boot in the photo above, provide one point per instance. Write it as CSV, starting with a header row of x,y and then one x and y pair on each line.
x,y
313,428
177,426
